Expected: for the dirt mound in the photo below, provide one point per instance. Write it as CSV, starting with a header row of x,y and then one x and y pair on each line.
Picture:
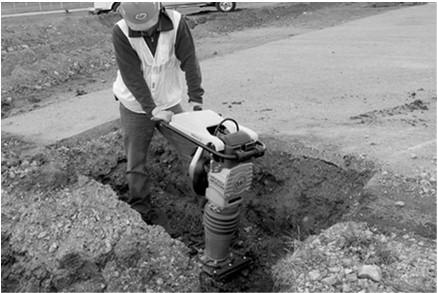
x,y
82,238
249,18
351,257
38,57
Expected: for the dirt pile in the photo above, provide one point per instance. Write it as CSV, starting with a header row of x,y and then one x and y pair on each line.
x,y
394,202
351,257
63,230
39,57
82,238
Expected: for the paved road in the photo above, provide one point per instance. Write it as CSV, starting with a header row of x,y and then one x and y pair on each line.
x,y
308,86
304,87
182,9
45,12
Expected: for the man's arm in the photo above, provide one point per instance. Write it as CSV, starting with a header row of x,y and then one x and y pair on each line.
x,y
185,52
130,68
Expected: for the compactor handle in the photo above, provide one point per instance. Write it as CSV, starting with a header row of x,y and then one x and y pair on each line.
x,y
239,156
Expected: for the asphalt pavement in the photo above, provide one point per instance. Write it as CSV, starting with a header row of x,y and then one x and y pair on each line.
x,y
45,12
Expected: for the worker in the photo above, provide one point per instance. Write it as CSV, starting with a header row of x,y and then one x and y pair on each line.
x,y
154,52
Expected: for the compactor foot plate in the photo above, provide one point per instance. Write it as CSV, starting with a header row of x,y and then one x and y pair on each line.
x,y
227,268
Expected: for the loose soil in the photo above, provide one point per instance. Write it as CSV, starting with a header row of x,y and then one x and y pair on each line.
x,y
63,226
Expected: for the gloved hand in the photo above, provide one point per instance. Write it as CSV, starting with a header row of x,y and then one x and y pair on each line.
x,y
196,106
161,115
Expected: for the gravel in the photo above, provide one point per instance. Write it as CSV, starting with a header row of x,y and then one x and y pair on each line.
x,y
84,239
352,257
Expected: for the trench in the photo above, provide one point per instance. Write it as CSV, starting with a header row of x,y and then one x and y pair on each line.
x,y
292,197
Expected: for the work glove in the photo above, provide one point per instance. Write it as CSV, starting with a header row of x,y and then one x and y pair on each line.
x,y
196,106
161,115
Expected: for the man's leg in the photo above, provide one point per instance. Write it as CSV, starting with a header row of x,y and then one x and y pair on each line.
x,y
138,130
184,148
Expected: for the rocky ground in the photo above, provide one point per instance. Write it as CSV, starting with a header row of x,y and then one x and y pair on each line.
x,y
64,229
352,257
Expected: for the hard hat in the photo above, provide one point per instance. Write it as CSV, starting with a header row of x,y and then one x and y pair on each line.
x,y
140,16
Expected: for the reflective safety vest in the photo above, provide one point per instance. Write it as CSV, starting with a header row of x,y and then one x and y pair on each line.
x,y
161,72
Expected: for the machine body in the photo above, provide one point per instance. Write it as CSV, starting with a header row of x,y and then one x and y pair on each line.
x,y
221,170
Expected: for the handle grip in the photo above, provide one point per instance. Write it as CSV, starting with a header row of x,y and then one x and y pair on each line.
x,y
239,156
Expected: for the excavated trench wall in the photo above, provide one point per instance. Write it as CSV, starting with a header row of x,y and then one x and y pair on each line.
x,y
293,195
291,191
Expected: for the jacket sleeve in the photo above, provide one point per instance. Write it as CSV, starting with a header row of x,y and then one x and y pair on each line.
x,y
185,52
130,69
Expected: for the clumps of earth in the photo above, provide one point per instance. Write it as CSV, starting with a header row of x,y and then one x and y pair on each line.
x,y
65,229
353,257
407,108
82,238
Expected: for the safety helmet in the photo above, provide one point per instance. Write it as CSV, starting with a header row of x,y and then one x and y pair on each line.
x,y
140,16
